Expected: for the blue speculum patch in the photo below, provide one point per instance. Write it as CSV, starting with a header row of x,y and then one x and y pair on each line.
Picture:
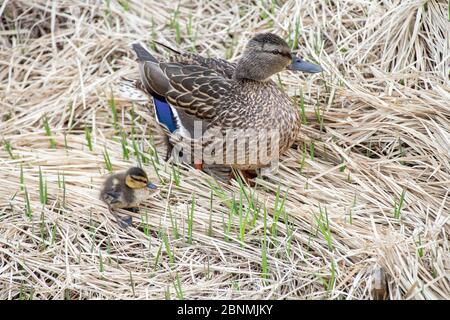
x,y
164,113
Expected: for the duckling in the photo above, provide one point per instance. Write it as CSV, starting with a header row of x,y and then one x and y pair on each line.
x,y
126,191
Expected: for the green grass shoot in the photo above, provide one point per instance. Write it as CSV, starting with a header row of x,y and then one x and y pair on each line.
x,y
350,211
108,9
399,205
8,148
189,26
302,109
277,211
243,219
124,4
420,251
302,160
264,263
255,208
178,289
280,82
48,132
152,150
88,135
176,174
43,195
107,160
158,255
211,200
156,170
124,143
22,180
324,226
168,249
319,116
342,167
112,105
28,211
227,227
62,186
167,293
248,197
177,32
191,219
328,285
140,156
174,223
332,280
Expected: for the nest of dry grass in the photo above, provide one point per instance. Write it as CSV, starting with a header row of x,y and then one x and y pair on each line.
x,y
364,189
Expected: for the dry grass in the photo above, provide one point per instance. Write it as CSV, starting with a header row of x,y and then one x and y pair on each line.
x,y
377,124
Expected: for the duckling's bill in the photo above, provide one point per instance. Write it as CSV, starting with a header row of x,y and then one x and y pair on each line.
x,y
299,64
151,186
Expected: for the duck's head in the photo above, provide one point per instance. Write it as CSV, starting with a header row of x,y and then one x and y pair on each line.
x,y
267,54
136,178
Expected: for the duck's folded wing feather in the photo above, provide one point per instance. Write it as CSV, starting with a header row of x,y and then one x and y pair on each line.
x,y
197,90
221,66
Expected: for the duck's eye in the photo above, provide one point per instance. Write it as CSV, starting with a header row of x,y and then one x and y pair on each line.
x,y
275,51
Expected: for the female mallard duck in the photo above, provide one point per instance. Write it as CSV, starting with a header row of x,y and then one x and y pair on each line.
x,y
126,190
235,103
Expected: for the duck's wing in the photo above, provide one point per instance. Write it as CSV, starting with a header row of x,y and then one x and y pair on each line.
x,y
221,66
197,90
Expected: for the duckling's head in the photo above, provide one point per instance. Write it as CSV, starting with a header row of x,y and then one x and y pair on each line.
x,y
267,54
136,178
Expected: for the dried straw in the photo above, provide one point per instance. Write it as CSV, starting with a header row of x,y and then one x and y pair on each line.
x,y
377,125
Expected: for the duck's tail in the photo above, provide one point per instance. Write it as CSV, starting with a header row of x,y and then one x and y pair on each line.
x,y
142,53
127,90
166,116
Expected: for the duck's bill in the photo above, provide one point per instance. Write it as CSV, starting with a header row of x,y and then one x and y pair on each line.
x,y
305,66
151,186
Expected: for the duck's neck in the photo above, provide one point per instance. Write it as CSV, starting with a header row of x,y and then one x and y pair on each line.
x,y
249,68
